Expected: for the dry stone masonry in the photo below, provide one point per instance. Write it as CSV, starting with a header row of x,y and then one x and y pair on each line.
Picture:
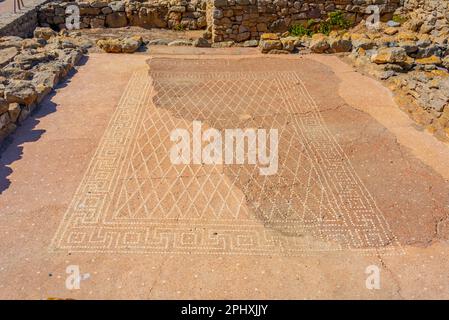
x,y
178,14
423,8
240,20
29,70
23,23
227,20
413,58
410,53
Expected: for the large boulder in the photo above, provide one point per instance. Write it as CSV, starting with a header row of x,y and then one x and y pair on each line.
x,y
201,43
223,44
406,36
110,45
319,43
269,36
7,55
13,72
125,45
33,43
14,111
361,40
130,45
290,43
431,50
44,81
340,43
44,33
389,55
28,59
181,43
151,19
386,41
409,46
159,42
97,23
391,31
20,91
10,41
413,24
266,46
429,60
251,43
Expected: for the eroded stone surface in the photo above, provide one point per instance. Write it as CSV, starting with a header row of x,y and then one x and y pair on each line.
x,y
30,68
124,45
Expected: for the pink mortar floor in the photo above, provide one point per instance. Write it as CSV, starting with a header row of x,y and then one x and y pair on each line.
x,y
7,6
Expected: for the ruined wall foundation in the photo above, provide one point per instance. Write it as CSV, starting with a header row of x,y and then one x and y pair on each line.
x,y
178,15
23,23
240,20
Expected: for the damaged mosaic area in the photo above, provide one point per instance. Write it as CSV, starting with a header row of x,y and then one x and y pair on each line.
x,y
133,199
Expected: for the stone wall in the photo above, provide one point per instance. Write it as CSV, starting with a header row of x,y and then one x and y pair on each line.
x,y
29,69
438,6
240,20
427,16
23,23
177,14
228,20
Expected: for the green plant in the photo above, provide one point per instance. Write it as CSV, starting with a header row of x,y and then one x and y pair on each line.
x,y
299,30
324,27
179,27
337,20
398,18
310,23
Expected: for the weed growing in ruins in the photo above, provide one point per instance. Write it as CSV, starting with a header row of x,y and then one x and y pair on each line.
x,y
338,21
335,21
299,30
399,18
324,27
179,27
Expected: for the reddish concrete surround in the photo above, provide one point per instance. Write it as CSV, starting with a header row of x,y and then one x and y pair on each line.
x,y
6,6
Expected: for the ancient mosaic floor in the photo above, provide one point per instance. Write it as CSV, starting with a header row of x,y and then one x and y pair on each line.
x,y
87,181
133,199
